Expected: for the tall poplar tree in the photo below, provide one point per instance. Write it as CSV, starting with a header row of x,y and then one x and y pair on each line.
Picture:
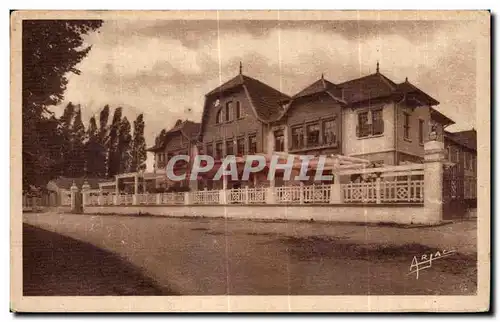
x,y
138,144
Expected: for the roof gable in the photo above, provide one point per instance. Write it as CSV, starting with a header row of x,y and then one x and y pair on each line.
x,y
265,101
366,88
188,129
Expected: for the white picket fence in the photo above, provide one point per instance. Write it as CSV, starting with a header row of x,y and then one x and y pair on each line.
x,y
246,196
205,197
410,191
396,184
172,198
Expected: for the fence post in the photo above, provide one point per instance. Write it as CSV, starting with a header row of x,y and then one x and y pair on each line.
x,y
187,198
74,191
158,198
433,181
85,193
336,190
136,190
377,190
246,194
301,192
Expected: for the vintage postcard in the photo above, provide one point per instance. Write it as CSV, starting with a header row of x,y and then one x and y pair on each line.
x,y
250,161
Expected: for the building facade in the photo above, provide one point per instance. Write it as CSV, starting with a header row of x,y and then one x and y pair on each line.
x,y
371,117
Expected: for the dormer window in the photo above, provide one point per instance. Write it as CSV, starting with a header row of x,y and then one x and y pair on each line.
x,y
219,120
238,110
229,109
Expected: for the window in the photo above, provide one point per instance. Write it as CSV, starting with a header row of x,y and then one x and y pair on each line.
x,y
218,150
252,144
229,147
238,110
329,132
370,123
219,117
377,122
229,108
421,131
457,157
200,148
240,146
298,137
210,149
313,134
279,141
406,125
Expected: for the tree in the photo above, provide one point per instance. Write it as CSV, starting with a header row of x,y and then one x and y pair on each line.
x,y
77,149
102,137
65,137
51,50
114,155
124,146
138,144
94,151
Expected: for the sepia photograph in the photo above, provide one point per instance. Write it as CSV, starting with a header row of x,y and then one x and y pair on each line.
x,y
250,161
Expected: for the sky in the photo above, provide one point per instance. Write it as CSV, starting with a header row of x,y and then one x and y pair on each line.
x,y
164,68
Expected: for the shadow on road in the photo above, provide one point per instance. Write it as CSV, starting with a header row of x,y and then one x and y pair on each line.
x,y
61,266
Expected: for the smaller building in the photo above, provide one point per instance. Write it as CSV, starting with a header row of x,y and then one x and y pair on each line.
x,y
59,193
181,139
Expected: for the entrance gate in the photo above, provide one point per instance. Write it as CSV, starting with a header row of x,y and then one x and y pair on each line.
x,y
453,192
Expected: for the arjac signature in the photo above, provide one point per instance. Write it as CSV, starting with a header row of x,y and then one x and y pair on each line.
x,y
426,261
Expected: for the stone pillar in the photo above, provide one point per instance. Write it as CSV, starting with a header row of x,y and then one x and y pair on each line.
x,y
336,193
270,193
74,197
99,198
187,198
223,192
117,191
136,189
433,181
246,194
85,193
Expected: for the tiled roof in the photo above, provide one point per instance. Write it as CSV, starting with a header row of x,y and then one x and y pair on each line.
x,y
366,88
408,88
320,86
265,99
467,139
66,183
440,117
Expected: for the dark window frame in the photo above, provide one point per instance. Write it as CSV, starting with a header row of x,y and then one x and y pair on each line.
x,y
406,125
325,140
239,147
421,131
219,119
295,143
229,145
310,142
237,112
251,149
228,111
219,153
279,144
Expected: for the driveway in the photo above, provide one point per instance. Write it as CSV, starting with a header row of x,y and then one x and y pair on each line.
x,y
197,256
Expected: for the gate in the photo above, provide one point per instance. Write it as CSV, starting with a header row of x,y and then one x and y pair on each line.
x,y
454,206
